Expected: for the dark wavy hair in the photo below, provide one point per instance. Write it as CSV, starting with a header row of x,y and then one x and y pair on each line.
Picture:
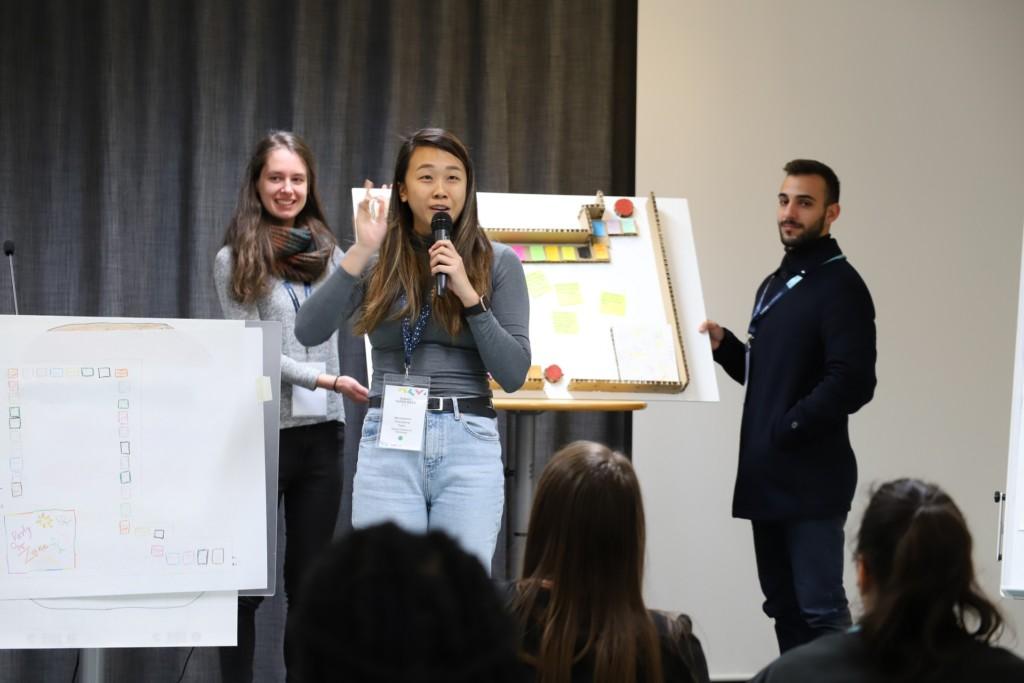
x,y
386,606
583,570
923,598
247,233
812,167
400,268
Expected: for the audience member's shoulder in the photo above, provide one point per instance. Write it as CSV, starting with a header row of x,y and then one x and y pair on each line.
x,y
682,655
841,655
993,664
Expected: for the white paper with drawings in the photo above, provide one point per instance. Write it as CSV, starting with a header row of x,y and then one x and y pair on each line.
x,y
133,458
179,620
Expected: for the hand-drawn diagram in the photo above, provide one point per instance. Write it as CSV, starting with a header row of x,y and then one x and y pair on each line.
x,y
39,541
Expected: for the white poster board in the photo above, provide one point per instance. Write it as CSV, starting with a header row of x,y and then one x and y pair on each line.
x,y
133,459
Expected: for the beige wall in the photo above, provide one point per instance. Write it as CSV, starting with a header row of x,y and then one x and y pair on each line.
x,y
919,106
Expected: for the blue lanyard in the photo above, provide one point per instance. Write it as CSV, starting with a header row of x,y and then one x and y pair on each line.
x,y
761,308
411,334
291,293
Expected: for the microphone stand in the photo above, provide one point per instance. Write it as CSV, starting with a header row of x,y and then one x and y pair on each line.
x,y
14,287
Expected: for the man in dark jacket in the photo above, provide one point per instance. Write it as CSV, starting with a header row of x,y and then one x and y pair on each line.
x,y
808,363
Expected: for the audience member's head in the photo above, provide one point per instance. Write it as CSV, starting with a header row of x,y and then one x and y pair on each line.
x,y
583,567
386,606
917,579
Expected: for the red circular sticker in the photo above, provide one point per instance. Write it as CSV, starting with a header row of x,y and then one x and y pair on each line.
x,y
552,373
624,208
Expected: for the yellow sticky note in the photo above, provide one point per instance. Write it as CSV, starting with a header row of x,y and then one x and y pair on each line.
x,y
568,253
566,322
537,283
613,304
569,294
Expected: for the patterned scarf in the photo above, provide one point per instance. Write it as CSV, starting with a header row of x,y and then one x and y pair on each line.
x,y
297,257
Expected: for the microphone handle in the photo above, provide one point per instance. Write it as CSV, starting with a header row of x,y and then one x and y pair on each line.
x,y
442,278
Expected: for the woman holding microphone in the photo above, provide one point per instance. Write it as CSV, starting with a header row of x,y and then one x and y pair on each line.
x,y
430,456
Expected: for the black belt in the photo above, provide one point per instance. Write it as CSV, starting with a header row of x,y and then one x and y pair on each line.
x,y
474,405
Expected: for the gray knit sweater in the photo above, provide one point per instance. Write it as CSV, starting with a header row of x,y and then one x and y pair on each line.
x,y
495,342
277,305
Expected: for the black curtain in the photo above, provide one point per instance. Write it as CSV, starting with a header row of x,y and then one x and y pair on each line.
x,y
125,126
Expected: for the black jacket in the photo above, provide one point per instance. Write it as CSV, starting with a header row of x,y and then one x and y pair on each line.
x,y
812,364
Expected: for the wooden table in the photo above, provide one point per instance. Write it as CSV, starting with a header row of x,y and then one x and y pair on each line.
x,y
523,413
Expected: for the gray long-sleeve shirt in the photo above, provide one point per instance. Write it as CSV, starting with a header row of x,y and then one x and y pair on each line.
x,y
497,341
278,305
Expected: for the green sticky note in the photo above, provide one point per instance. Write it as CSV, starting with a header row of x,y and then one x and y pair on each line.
x,y
613,303
569,294
566,322
537,252
537,283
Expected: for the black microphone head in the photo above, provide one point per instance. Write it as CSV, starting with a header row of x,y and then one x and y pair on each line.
x,y
9,245
441,226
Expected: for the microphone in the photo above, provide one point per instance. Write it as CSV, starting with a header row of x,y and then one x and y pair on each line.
x,y
441,226
9,253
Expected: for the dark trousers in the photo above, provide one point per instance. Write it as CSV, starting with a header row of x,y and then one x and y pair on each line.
x,y
800,567
309,485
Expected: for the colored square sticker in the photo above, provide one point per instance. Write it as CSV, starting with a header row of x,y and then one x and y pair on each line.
x,y
537,283
568,253
536,252
565,322
613,303
569,294
551,253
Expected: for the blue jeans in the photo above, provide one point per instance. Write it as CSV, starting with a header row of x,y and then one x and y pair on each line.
x,y
800,567
456,484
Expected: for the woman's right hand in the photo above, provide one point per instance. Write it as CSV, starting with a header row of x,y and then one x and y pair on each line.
x,y
371,219
370,227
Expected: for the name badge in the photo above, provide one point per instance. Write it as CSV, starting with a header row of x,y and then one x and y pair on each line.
x,y
310,402
403,412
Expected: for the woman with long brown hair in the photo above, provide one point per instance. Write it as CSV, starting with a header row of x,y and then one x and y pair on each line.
x,y
430,456
579,602
925,619
277,251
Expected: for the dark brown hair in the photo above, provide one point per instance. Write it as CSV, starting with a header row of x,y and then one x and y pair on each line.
x,y
247,233
400,268
812,167
583,570
916,551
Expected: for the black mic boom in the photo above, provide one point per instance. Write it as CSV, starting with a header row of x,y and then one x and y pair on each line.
x,y
9,253
441,226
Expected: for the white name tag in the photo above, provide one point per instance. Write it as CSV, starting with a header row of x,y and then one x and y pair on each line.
x,y
310,402
403,412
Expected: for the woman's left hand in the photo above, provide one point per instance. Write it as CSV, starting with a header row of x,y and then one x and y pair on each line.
x,y
352,388
445,259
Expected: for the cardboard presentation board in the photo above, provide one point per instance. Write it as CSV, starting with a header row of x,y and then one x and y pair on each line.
x,y
615,295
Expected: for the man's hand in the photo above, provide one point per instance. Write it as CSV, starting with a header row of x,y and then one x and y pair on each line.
x,y
715,332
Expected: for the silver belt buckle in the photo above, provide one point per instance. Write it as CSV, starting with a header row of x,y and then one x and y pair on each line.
x,y
439,405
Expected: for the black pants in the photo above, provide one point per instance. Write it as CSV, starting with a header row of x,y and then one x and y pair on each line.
x,y
800,567
309,485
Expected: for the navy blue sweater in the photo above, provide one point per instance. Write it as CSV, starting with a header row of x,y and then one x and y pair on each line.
x,y
812,364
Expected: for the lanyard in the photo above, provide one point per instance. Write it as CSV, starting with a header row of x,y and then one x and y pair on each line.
x,y
411,334
761,308
291,293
